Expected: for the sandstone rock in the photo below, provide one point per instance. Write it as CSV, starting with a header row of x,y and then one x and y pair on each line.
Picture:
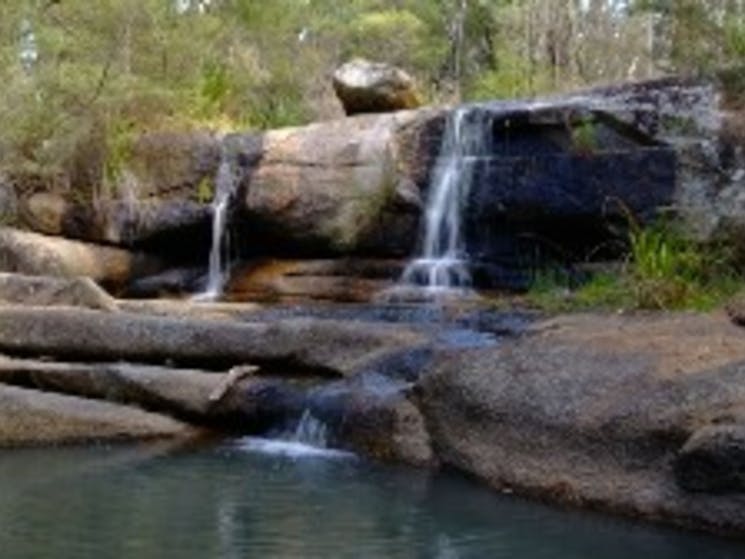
x,y
163,194
355,280
593,410
34,254
44,212
324,347
183,393
52,291
342,187
30,417
371,87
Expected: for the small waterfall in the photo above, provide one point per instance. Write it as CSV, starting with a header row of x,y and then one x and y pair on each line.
x,y
443,263
226,183
310,431
308,438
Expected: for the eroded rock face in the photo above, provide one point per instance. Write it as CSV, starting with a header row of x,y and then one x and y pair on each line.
x,y
344,187
372,87
705,129
358,186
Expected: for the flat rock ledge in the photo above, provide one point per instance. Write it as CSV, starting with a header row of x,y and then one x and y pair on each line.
x,y
325,347
642,415
31,418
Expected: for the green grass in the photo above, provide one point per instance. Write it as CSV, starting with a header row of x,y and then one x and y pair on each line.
x,y
662,270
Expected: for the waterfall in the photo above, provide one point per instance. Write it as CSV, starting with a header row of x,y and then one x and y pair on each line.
x,y
443,263
226,183
310,431
308,438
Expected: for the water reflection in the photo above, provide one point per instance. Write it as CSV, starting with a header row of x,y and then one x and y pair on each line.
x,y
234,501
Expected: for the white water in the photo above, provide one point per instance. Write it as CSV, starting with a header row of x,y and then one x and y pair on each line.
x,y
225,185
308,439
443,263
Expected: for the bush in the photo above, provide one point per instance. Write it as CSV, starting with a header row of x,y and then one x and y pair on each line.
x,y
663,270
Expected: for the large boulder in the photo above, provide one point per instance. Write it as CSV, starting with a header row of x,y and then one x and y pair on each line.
x,y
373,87
33,254
598,410
30,418
345,187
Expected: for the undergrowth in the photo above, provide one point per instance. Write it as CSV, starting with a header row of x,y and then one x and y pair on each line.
x,y
662,270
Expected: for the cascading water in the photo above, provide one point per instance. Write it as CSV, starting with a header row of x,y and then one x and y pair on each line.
x,y
443,263
308,438
226,183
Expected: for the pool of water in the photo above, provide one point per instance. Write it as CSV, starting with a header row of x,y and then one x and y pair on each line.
x,y
256,499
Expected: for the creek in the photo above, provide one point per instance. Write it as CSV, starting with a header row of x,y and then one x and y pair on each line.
x,y
247,498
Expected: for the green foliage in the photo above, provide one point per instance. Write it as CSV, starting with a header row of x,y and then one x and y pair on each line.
x,y
509,79
551,291
668,271
663,270
734,38
104,71
400,34
585,137
205,190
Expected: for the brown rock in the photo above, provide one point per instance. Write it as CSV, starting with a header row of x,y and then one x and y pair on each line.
x,y
30,417
594,410
34,254
45,212
353,280
342,187
183,393
371,87
52,291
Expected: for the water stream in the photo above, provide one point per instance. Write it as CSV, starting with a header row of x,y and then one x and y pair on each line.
x,y
309,437
226,182
443,262
232,501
